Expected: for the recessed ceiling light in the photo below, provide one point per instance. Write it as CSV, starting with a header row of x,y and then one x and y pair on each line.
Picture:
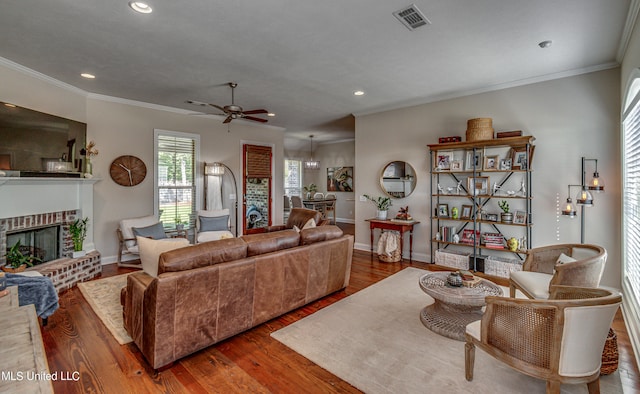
x,y
358,93
140,7
545,44
88,76
10,105
271,114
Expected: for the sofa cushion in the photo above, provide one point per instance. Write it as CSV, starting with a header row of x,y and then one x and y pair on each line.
x,y
202,255
318,234
214,223
311,223
270,242
155,231
151,249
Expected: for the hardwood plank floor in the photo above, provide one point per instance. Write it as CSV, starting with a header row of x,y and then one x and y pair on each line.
x,y
251,362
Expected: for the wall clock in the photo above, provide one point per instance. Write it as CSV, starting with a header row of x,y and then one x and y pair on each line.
x,y
128,170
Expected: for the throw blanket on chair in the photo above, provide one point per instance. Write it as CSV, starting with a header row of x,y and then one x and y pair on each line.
x,y
36,290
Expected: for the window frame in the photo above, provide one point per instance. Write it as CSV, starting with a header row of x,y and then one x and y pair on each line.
x,y
197,173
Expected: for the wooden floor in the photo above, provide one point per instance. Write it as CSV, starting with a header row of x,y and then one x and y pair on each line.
x,y
251,362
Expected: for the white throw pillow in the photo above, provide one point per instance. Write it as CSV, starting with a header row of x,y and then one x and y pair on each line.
x,y
151,249
563,258
311,223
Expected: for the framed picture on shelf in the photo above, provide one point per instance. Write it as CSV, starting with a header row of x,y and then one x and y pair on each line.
x,y
490,163
478,185
443,210
456,165
491,217
473,161
505,165
443,160
519,158
465,213
520,217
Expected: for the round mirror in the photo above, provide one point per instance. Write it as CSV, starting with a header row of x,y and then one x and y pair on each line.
x,y
398,179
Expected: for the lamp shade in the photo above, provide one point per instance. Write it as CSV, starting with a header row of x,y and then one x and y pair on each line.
x,y
569,209
584,198
596,183
311,165
214,169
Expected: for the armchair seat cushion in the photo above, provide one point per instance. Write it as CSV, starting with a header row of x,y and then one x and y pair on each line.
x,y
536,283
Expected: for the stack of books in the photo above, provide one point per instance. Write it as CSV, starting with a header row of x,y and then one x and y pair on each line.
x,y
493,240
468,237
447,233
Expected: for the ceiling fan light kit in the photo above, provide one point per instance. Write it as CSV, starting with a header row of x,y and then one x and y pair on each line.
x,y
233,111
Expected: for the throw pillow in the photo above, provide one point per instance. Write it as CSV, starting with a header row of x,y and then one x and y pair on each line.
x,y
155,231
214,223
563,258
311,223
151,249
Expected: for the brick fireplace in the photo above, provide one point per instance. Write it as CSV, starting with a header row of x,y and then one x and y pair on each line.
x,y
42,202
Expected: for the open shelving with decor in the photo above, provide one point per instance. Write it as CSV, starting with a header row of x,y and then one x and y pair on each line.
x,y
470,183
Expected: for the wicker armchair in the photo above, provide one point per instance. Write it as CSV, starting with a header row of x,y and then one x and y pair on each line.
x,y
542,269
559,340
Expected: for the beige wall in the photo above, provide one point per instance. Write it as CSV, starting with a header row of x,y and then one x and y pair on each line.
x,y
119,127
570,118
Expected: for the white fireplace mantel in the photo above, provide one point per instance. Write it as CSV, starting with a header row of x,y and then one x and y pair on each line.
x,y
29,196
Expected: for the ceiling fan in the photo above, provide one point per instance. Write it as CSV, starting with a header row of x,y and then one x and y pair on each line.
x,y
234,111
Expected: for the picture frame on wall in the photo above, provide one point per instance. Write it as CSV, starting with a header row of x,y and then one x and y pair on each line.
x,y
443,160
339,179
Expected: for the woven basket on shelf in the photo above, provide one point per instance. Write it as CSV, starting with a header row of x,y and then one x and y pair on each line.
x,y
610,354
479,129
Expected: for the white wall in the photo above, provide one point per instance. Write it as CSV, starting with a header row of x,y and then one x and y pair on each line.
x,y
119,128
570,118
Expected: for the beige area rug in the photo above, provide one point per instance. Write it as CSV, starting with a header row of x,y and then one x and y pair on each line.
x,y
374,340
104,297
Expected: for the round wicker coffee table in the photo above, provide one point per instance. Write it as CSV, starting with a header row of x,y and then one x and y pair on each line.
x,y
454,307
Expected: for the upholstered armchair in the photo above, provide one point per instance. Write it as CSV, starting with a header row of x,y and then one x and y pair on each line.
x,y
564,264
559,340
212,225
128,229
299,217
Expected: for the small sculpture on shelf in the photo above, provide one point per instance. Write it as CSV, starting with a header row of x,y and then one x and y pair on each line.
x,y
404,214
459,187
440,189
523,189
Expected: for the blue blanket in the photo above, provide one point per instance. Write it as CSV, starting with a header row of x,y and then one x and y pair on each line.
x,y
36,290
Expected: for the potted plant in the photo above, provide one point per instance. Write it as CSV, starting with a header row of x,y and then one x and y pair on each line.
x,y
505,216
310,190
78,231
382,204
179,223
16,261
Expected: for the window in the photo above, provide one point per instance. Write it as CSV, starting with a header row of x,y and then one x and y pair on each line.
x,y
176,155
631,198
292,177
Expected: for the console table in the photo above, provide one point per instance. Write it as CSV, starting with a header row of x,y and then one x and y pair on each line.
x,y
395,225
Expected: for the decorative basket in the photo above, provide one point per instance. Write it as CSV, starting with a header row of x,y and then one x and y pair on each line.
x,y
6,268
394,258
610,354
479,129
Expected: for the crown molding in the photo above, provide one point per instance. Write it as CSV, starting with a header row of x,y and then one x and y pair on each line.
x,y
629,24
45,78
491,88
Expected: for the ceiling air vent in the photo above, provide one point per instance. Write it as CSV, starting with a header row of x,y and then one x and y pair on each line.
x,y
411,17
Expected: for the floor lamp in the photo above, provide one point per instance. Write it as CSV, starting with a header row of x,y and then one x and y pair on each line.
x,y
219,170
584,198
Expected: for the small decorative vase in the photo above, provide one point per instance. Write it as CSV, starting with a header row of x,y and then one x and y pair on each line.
x,y
78,253
454,279
88,168
513,244
382,215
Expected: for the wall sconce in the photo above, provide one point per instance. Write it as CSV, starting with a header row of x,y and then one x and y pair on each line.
x,y
219,170
584,198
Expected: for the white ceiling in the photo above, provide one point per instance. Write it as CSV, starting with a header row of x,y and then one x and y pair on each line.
x,y
303,59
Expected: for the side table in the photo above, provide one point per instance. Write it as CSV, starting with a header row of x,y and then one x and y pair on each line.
x,y
401,226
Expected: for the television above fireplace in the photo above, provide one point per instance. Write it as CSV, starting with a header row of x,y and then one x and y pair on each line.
x,y
39,144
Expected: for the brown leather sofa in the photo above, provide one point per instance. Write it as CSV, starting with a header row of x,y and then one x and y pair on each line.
x,y
211,291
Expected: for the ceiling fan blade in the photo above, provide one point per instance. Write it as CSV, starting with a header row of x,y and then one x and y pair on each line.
x,y
255,119
219,107
256,111
229,119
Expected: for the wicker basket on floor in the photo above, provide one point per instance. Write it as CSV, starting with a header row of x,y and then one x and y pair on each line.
x,y
394,258
610,354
